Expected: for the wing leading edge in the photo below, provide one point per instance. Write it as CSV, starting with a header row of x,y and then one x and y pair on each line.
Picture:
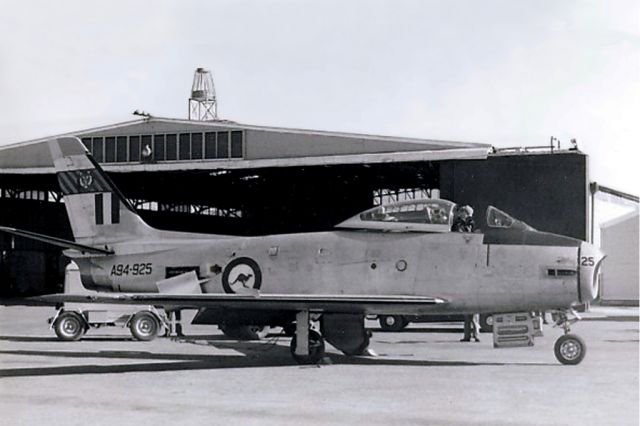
x,y
282,302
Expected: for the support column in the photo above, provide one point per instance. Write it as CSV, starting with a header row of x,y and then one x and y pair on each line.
x,y
175,323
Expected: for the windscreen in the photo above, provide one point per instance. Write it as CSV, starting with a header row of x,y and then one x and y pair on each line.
x,y
498,219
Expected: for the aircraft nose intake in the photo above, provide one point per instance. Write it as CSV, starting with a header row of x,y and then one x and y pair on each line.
x,y
589,264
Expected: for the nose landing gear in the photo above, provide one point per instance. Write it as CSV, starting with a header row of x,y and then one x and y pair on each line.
x,y
569,348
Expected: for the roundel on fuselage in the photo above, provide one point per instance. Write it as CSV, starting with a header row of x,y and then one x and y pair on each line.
x,y
241,275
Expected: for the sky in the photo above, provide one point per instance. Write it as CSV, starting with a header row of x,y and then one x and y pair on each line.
x,y
506,73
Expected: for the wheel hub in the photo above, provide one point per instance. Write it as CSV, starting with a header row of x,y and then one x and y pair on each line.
x,y
570,349
144,326
70,326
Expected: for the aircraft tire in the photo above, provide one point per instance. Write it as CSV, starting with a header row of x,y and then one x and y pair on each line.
x,y
69,326
392,322
570,349
144,326
316,349
486,323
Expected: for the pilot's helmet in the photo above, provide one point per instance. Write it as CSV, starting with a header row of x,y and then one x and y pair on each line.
x,y
466,209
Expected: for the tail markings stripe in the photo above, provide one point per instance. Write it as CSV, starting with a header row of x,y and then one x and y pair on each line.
x,y
65,184
115,208
82,182
92,180
99,210
107,208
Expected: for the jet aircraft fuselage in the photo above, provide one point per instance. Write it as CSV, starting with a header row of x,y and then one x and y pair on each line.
x,y
472,275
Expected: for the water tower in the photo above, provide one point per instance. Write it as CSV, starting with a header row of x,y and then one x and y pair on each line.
x,y
202,102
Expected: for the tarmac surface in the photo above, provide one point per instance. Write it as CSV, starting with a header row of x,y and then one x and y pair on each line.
x,y
423,375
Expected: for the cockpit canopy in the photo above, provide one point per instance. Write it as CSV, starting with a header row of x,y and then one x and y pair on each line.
x,y
415,215
422,216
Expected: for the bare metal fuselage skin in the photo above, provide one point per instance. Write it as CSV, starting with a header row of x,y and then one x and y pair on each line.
x,y
462,268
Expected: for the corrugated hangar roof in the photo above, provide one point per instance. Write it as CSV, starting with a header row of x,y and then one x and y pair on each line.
x,y
244,147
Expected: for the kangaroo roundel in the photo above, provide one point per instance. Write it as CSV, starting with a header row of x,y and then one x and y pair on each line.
x,y
241,275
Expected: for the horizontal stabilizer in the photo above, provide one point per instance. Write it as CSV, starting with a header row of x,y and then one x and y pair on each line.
x,y
282,302
55,241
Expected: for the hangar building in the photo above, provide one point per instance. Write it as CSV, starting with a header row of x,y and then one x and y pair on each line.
x,y
224,177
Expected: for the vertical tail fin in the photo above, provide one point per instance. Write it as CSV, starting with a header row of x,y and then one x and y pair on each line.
x,y
97,211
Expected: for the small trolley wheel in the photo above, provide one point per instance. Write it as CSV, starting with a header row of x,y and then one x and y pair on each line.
x,y
69,326
144,326
570,349
392,322
316,349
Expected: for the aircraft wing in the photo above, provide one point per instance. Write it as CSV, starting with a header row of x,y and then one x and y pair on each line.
x,y
55,241
282,302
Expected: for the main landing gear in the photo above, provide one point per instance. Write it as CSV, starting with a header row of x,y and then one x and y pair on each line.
x,y
345,332
315,351
569,348
307,346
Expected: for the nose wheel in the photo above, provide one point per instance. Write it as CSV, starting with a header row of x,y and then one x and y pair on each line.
x,y
569,349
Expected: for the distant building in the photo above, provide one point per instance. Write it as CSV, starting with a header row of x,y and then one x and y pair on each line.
x,y
619,239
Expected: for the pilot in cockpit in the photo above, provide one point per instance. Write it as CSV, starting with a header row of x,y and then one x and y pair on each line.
x,y
463,220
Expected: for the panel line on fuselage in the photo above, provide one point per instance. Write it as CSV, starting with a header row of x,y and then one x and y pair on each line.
x,y
488,253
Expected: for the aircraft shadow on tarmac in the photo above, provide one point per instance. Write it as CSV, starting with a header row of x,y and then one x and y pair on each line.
x,y
44,339
28,339
91,338
421,330
254,355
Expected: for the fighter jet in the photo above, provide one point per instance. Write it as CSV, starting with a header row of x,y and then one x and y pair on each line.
x,y
399,258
